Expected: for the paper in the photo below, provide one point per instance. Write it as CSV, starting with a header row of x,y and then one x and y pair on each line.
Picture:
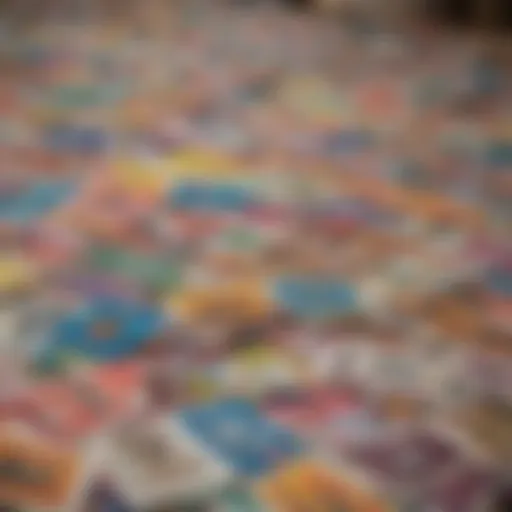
x,y
238,433
156,463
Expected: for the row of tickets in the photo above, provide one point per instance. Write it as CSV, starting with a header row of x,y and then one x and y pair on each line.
x,y
200,454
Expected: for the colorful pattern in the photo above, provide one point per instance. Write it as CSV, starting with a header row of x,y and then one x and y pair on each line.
x,y
312,411
101,395
236,240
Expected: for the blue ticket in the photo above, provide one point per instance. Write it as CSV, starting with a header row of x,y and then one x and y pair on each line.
x,y
105,329
241,435
218,197
33,202
316,298
500,281
499,155
82,140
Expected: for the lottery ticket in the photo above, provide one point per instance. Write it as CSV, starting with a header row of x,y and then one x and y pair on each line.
x,y
239,433
141,460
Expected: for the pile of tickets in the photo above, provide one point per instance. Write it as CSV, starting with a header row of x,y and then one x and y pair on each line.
x,y
251,260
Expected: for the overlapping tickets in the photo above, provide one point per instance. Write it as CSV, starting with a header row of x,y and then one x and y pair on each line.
x,y
143,458
80,405
271,206
241,436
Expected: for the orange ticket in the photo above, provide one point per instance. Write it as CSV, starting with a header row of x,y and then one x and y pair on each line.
x,y
35,474
309,486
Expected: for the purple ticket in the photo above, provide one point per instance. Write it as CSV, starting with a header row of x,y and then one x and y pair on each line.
x,y
469,489
408,462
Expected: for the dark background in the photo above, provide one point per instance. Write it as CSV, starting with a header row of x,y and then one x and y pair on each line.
x,y
495,14
462,13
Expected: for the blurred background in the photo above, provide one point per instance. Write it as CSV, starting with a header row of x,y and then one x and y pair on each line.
x,y
255,255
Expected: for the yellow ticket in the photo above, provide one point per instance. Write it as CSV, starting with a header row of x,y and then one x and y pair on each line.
x,y
16,273
242,300
155,174
200,164
140,176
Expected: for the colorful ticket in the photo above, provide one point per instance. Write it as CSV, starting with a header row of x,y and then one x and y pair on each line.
x,y
241,435
313,487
